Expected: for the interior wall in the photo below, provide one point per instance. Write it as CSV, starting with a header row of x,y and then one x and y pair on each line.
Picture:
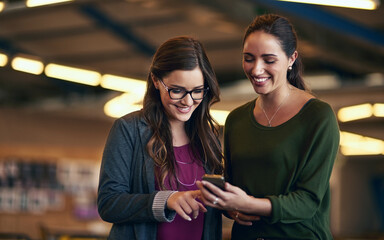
x,y
46,137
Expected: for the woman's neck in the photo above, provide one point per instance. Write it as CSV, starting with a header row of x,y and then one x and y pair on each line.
x,y
179,136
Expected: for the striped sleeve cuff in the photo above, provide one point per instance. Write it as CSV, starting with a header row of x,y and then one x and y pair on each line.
x,y
159,209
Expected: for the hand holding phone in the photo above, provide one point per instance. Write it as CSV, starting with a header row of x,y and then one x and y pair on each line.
x,y
215,179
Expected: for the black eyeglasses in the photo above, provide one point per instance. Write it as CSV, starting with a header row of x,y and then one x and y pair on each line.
x,y
180,93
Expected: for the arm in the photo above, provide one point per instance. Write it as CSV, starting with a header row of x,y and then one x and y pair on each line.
x,y
123,187
121,195
311,186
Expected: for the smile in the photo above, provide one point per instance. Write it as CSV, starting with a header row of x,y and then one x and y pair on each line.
x,y
263,79
183,109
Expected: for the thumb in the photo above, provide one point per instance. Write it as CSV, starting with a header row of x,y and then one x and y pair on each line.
x,y
230,188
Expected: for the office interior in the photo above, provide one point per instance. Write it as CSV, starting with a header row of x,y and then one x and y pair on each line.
x,y
53,129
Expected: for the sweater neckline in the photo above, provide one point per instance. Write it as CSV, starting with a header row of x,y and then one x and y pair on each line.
x,y
302,110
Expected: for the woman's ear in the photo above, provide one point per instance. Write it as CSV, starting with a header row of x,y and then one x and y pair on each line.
x,y
155,81
292,58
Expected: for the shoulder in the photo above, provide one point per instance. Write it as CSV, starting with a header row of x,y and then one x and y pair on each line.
x,y
130,122
319,108
241,110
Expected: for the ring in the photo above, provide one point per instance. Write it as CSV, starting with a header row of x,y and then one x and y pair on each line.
x,y
237,215
215,201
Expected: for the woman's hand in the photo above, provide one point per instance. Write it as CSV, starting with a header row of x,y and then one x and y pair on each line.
x,y
185,204
242,207
231,199
242,218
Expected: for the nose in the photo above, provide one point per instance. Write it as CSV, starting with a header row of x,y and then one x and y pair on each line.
x,y
258,68
187,99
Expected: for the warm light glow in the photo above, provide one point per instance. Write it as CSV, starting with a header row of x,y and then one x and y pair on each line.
x,y
220,116
72,74
3,60
378,109
27,65
136,87
1,6
360,4
36,3
121,105
354,144
355,112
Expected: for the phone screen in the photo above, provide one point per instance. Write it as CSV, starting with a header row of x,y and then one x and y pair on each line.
x,y
217,180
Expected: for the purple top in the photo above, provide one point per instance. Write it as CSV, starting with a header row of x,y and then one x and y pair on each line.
x,y
188,171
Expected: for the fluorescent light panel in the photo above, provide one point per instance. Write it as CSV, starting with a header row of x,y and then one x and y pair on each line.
x,y
2,6
121,105
378,109
124,84
72,74
27,65
3,60
355,112
37,3
354,144
220,116
359,4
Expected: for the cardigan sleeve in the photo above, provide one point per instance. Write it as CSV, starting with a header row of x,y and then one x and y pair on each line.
x,y
122,192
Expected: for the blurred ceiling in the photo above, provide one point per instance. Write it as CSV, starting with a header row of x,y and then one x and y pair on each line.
x,y
120,36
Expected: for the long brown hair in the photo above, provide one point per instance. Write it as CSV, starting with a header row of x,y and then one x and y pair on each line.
x,y
182,53
282,29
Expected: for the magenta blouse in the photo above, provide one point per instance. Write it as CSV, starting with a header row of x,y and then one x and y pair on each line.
x,y
188,171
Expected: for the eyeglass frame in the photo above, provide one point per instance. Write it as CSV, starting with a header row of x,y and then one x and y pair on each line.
x,y
185,92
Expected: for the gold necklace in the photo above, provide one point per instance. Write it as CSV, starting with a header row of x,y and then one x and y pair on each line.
x,y
278,108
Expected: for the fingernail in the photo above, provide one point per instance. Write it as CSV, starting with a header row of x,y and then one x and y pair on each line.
x,y
189,219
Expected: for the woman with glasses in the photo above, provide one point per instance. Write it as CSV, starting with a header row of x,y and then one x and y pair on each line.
x,y
279,147
153,157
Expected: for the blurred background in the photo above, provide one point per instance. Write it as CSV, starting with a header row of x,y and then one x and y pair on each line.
x,y
68,70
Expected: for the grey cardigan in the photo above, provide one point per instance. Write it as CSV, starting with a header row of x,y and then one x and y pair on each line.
x,y
126,194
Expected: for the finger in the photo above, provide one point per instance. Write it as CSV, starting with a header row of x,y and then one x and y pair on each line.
x,y
186,207
201,207
230,188
195,193
215,190
246,223
246,217
193,205
206,195
181,212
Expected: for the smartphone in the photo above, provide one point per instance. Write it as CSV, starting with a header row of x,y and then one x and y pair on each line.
x,y
215,179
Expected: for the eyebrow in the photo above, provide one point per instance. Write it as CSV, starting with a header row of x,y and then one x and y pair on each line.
x,y
263,55
177,86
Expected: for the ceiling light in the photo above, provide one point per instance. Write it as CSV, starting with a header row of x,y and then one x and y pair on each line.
x,y
28,65
354,144
72,74
124,84
360,4
121,105
3,60
355,112
2,6
378,109
36,3
220,116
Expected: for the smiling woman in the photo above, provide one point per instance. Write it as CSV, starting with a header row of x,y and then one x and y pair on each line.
x,y
153,157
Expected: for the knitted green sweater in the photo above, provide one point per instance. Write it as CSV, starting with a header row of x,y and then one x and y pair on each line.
x,y
290,164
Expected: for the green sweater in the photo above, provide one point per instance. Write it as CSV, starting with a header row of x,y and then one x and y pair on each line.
x,y
290,164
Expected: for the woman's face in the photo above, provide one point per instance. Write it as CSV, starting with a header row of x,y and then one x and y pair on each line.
x,y
182,109
265,63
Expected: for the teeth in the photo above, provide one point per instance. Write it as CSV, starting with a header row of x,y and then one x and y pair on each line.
x,y
261,79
